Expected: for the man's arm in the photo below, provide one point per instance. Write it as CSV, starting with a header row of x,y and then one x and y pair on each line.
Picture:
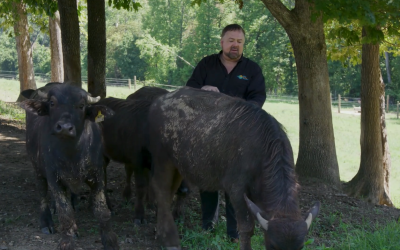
x,y
198,76
256,89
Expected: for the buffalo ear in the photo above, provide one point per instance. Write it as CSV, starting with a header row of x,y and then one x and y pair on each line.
x,y
35,107
97,113
312,214
27,93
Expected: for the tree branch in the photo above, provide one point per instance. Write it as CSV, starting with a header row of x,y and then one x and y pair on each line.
x,y
279,11
394,45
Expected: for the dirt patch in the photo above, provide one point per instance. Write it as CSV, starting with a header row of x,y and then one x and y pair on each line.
x,y
19,205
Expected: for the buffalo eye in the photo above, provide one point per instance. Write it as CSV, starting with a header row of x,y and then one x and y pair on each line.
x,y
51,104
81,106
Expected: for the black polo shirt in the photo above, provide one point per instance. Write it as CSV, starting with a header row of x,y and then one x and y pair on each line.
x,y
245,80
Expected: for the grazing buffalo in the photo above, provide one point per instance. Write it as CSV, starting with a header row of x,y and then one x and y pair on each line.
x,y
218,142
125,138
65,147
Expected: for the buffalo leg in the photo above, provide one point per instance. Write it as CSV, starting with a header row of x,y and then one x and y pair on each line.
x,y
66,218
103,215
127,191
165,182
46,221
105,165
244,219
141,185
181,195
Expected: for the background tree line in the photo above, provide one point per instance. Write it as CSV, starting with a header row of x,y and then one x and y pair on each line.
x,y
164,40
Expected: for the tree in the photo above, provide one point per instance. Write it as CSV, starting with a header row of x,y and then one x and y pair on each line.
x,y
70,41
19,20
372,180
24,49
96,48
57,68
317,153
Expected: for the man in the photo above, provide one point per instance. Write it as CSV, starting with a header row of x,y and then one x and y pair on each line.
x,y
228,72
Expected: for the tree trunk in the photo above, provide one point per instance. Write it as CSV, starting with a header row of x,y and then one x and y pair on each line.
x,y
317,153
57,68
24,49
387,163
369,182
70,42
96,48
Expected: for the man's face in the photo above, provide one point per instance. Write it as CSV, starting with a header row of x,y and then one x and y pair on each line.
x,y
232,44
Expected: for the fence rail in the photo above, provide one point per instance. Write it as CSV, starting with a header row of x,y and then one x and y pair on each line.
x,y
112,82
338,101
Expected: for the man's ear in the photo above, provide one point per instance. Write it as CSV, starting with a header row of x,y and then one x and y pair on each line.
x,y
36,107
97,113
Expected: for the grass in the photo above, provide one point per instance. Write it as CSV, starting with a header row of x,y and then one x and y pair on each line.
x,y
366,237
347,141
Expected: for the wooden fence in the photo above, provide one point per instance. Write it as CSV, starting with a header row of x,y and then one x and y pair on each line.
x,y
113,82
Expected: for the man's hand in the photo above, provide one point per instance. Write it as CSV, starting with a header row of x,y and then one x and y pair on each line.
x,y
210,88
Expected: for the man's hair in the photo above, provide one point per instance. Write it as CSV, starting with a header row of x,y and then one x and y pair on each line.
x,y
232,27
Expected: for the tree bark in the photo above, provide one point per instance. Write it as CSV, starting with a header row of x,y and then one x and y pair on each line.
x,y
57,68
96,48
387,163
70,42
24,49
369,182
317,152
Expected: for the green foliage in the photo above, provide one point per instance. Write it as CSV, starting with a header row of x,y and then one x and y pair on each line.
x,y
161,41
125,4
345,78
11,111
8,52
41,59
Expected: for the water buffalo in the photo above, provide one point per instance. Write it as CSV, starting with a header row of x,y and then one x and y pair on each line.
x,y
147,93
125,138
65,147
218,142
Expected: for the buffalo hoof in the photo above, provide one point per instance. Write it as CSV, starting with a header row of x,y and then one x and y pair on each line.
x,y
48,230
66,243
110,241
139,222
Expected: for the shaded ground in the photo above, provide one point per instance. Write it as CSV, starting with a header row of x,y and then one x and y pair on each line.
x,y
19,204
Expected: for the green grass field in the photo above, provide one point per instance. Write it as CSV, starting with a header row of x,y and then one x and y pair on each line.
x,y
347,137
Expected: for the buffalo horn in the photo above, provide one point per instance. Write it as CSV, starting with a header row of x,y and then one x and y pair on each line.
x,y
309,220
92,100
263,222
42,94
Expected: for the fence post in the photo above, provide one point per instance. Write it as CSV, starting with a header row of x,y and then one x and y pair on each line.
x,y
397,110
129,83
134,83
387,104
339,101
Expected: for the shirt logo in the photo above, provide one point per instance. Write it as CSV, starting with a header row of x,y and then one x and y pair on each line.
x,y
242,77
